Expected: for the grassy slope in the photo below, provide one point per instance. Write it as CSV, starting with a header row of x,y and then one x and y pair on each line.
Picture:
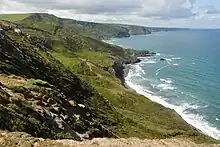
x,y
13,17
52,24
143,118
87,58
27,57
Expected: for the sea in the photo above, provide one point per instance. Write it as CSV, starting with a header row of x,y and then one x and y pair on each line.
x,y
188,81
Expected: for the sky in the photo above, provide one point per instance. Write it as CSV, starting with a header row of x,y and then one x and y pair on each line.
x,y
158,13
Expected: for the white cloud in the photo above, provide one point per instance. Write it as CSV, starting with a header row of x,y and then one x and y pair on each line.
x,y
144,8
179,13
212,10
168,8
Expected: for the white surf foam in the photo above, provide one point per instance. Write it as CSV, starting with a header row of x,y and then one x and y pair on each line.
x,y
168,59
195,120
167,80
175,64
149,62
166,87
158,70
138,69
177,58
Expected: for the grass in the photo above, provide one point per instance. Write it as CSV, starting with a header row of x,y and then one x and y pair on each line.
x,y
96,57
13,17
140,117
109,104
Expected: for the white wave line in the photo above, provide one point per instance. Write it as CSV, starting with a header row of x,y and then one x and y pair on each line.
x,y
157,71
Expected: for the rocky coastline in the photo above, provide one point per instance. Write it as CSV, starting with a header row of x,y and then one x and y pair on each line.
x,y
121,67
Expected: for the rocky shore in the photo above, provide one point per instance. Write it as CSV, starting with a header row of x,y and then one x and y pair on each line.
x,y
121,67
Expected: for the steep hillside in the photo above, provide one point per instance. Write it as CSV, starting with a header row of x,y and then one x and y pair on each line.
x,y
55,25
58,85
53,109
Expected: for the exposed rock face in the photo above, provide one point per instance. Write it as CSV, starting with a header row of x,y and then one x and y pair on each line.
x,y
119,65
123,34
119,71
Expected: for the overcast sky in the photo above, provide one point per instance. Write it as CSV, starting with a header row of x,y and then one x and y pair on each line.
x,y
166,13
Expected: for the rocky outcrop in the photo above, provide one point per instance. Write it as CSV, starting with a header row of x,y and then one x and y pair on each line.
x,y
119,71
122,34
119,66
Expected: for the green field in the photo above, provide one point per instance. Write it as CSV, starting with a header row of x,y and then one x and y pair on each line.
x,y
13,17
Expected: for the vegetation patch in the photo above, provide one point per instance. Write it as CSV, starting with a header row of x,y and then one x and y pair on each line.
x,y
13,17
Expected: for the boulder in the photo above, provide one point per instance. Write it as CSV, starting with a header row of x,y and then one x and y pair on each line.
x,y
16,30
136,61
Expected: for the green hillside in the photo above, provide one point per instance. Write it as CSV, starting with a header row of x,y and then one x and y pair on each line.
x,y
13,17
57,83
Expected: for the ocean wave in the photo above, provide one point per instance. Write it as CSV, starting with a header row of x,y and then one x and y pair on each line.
x,y
167,80
149,62
177,58
175,64
168,59
166,87
194,119
138,69
148,91
190,107
158,70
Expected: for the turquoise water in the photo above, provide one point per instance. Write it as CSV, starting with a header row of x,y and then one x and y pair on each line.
x,y
188,81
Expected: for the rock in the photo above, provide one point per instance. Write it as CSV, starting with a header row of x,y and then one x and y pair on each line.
x,y
136,61
123,34
162,59
72,102
1,85
109,69
81,105
119,70
85,136
77,116
1,34
16,30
